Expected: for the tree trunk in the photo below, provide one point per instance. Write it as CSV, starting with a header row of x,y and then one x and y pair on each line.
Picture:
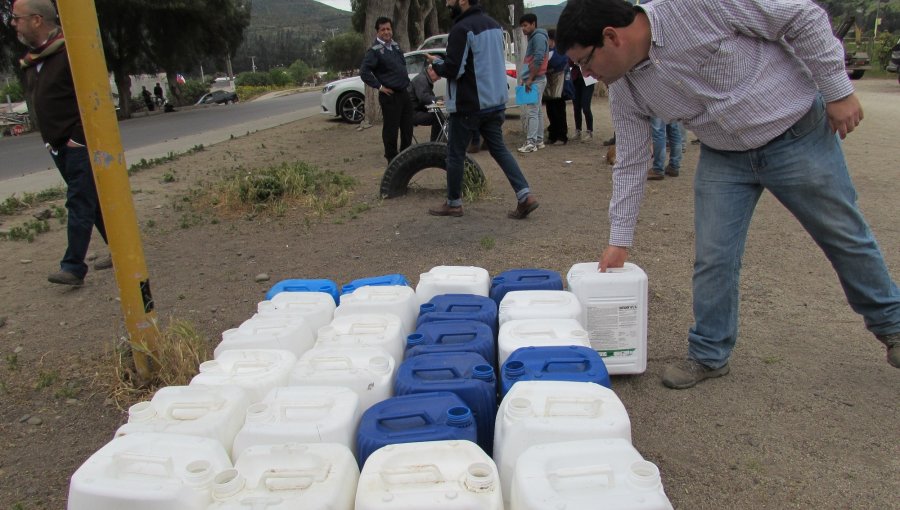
x,y
374,9
123,87
401,24
432,27
424,9
174,95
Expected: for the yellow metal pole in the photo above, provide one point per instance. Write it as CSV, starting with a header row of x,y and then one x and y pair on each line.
x,y
101,129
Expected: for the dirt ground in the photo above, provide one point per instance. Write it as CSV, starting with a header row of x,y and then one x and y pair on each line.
x,y
806,419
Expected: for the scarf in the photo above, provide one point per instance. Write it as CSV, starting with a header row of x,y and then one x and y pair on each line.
x,y
55,43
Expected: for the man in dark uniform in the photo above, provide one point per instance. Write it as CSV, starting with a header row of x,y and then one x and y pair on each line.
x,y
48,82
384,68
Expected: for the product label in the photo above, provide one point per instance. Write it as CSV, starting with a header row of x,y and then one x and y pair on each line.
x,y
613,328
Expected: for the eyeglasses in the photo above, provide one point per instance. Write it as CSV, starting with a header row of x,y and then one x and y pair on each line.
x,y
16,18
585,61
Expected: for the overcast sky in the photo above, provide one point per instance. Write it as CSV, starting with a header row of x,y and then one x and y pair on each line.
x,y
345,4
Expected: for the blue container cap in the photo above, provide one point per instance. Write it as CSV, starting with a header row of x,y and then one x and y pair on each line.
x,y
415,339
459,416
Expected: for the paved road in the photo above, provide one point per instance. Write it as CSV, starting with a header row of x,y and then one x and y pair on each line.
x,y
26,167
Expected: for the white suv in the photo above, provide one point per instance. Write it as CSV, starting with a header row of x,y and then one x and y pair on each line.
x,y
346,98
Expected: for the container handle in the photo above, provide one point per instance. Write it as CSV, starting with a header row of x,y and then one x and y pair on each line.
x,y
342,362
293,479
192,410
395,432
564,361
287,407
366,328
416,474
138,463
573,406
603,473
249,367
454,373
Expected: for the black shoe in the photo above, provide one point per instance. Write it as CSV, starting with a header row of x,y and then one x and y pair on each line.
x,y
671,171
65,278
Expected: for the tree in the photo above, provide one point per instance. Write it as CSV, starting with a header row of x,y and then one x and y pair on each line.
x,y
344,52
300,72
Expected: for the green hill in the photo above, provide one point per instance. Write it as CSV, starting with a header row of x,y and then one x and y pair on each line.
x,y
314,18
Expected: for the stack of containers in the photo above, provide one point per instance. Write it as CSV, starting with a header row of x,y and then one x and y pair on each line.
x,y
584,475
539,412
452,336
216,412
524,279
419,417
305,285
432,475
465,374
300,414
149,471
565,363
317,308
287,477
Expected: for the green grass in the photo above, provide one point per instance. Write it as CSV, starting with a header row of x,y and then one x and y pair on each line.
x,y
13,205
46,379
28,230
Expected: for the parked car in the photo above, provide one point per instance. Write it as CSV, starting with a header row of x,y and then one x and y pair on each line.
x,y
346,98
434,42
858,62
218,97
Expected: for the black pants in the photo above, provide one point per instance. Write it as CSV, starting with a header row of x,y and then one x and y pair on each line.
x,y
398,115
428,119
558,126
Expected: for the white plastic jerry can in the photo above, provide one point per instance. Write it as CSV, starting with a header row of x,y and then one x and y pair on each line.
x,y
429,475
289,333
149,471
585,475
216,412
316,307
288,477
301,414
615,313
540,304
399,300
368,371
255,370
352,331
453,280
538,412
518,333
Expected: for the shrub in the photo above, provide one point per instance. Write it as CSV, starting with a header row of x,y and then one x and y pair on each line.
x,y
14,90
252,80
279,77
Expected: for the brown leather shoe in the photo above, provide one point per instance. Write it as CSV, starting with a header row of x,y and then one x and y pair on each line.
x,y
523,209
653,176
446,210
65,278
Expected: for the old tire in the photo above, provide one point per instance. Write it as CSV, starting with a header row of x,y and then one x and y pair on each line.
x,y
419,157
352,107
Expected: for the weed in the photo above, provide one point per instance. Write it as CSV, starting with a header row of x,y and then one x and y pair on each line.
x,y
28,230
180,350
168,177
358,209
69,390
262,146
12,361
13,205
189,220
59,213
488,243
46,379
151,223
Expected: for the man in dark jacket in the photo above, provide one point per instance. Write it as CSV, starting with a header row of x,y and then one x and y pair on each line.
x,y
384,68
475,68
421,93
48,82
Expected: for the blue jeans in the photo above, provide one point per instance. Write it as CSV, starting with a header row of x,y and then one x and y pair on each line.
x,y
534,121
82,204
490,125
662,131
805,170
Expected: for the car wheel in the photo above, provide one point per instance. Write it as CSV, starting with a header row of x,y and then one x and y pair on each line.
x,y
395,181
855,75
352,107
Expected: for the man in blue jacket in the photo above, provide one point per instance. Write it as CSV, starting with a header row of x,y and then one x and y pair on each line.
x,y
384,68
475,68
